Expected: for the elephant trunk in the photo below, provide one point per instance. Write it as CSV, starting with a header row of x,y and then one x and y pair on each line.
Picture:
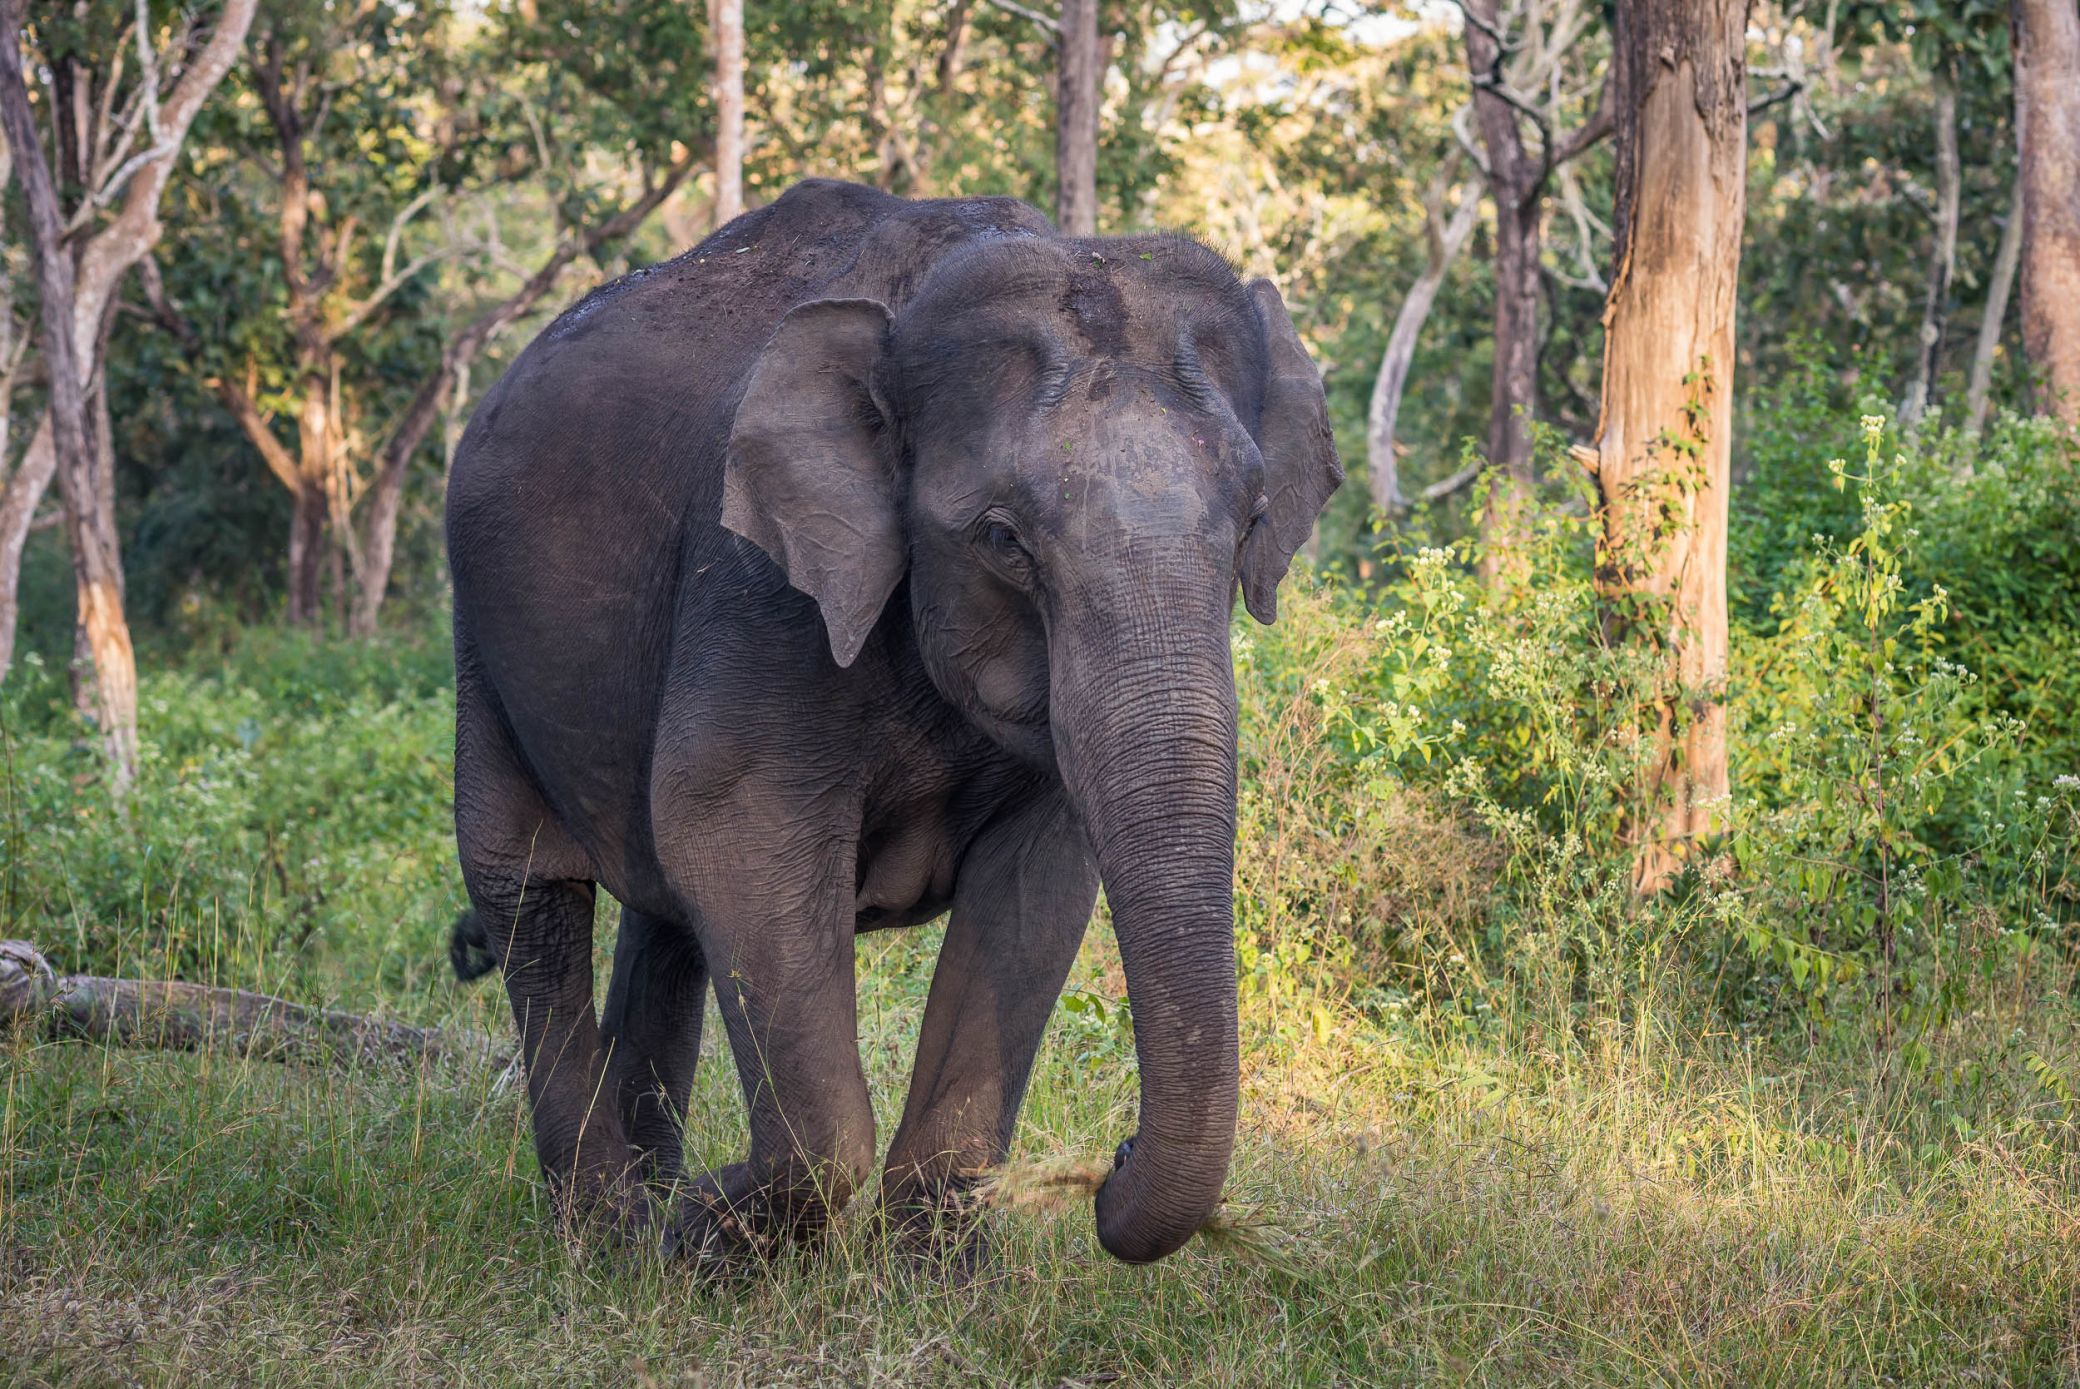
x,y
1144,700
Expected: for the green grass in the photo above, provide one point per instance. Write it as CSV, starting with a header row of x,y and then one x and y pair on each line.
x,y
1606,1204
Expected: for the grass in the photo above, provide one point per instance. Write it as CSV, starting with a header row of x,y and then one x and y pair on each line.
x,y
1645,1202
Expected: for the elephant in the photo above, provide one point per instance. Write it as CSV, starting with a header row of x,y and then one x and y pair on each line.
x,y
873,561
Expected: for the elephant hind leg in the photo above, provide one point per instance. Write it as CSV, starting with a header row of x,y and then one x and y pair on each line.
x,y
652,1031
532,892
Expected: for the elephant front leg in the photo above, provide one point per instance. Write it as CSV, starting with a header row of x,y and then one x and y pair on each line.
x,y
1021,904
782,966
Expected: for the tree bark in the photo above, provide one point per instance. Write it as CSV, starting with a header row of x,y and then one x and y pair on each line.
x,y
1664,442
2046,39
1076,120
96,560
729,109
1383,467
1942,260
2000,285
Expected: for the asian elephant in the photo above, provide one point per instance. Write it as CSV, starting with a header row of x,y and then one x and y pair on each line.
x,y
870,561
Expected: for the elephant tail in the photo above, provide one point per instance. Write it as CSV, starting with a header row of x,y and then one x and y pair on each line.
x,y
469,948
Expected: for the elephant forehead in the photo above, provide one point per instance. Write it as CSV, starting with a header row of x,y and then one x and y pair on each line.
x,y
1159,475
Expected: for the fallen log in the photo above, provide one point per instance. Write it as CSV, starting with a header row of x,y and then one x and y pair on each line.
x,y
178,1016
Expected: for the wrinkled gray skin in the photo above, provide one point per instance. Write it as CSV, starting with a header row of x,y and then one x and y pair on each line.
x,y
871,560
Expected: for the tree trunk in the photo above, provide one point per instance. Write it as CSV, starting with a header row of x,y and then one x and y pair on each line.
x,y
2000,285
1942,260
1664,441
1515,184
729,109
96,560
1383,468
1076,120
2046,38
1513,388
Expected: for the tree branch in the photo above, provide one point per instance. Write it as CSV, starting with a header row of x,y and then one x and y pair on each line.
x,y
1051,26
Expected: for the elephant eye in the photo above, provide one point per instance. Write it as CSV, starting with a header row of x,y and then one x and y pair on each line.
x,y
1001,540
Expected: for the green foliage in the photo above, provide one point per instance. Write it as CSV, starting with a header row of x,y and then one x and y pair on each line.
x,y
290,829
1436,776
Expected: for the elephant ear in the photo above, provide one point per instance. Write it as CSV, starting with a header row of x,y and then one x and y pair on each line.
x,y
1300,467
810,476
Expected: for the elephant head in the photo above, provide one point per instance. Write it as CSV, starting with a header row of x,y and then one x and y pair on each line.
x,y
1075,451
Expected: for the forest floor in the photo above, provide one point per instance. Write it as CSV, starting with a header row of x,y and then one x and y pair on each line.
x,y
1652,1203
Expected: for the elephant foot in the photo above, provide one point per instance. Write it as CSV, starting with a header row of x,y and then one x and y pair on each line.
x,y
939,1233
603,1211
728,1223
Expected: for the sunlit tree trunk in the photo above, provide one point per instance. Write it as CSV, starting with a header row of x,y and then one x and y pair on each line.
x,y
1664,441
1076,120
2046,38
97,565
729,109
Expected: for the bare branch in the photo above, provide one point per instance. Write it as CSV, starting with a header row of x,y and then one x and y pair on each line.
x,y
1047,23
1781,94
1457,482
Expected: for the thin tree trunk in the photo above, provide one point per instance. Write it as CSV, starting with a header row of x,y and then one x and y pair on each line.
x,y
2046,39
729,109
1076,120
1942,261
2000,286
18,502
1664,442
96,559
1515,185
1383,466
1513,390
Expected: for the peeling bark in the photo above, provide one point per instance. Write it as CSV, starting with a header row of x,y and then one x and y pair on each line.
x,y
1664,441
